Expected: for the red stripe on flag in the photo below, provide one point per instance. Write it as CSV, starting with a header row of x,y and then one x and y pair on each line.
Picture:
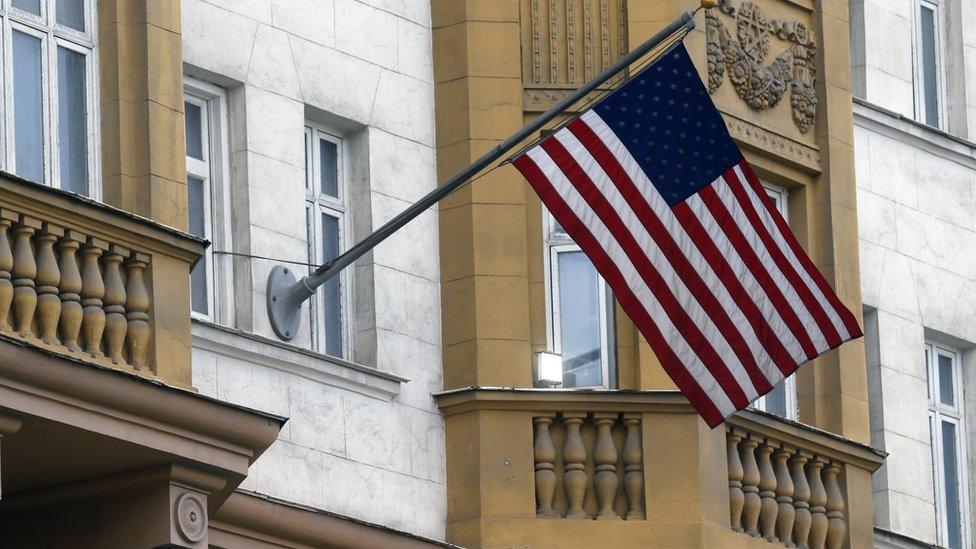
x,y
812,304
848,318
655,227
749,257
720,266
649,272
628,301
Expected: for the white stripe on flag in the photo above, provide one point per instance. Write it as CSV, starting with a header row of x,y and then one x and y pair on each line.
x,y
752,237
787,250
635,282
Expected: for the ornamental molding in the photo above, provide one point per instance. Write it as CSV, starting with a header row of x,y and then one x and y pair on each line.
x,y
191,517
802,156
743,57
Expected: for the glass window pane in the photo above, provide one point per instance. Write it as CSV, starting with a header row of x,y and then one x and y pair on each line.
x,y
72,121
953,502
33,6
329,166
196,191
194,130
775,400
579,321
929,67
946,395
28,118
332,315
71,13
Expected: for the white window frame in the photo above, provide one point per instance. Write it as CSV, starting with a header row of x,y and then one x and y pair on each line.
x,y
317,204
779,196
214,170
556,242
939,413
52,36
937,6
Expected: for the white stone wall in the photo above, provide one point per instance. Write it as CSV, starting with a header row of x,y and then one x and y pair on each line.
x,y
363,68
917,224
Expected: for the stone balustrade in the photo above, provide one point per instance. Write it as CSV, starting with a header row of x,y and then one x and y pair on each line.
x,y
589,466
783,493
85,280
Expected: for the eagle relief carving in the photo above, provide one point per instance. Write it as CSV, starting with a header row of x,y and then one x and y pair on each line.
x,y
744,57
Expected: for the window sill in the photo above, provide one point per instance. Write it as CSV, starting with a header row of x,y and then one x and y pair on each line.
x,y
308,364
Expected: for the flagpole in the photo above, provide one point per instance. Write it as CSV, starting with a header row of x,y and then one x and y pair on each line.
x,y
285,295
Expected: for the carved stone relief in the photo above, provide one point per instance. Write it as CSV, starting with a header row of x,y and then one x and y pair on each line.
x,y
743,57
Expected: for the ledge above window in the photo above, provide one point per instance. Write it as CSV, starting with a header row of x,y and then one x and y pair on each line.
x,y
317,367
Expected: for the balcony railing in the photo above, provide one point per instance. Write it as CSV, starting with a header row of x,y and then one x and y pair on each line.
x,y
646,471
85,280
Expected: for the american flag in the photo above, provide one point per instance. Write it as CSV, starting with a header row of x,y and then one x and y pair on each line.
x,y
652,188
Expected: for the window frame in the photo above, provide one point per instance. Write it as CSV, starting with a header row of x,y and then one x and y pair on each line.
x,y
317,204
214,169
918,82
556,242
780,197
53,36
937,414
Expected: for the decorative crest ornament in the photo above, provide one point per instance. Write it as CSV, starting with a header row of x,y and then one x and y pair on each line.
x,y
743,57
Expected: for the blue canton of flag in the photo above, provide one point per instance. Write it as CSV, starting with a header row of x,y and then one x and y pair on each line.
x,y
654,190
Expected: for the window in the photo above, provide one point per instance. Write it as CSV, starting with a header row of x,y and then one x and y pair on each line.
x,y
49,97
929,65
325,207
206,176
782,399
946,429
580,311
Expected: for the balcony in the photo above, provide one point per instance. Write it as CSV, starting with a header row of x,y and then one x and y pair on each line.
x,y
99,423
638,468
89,282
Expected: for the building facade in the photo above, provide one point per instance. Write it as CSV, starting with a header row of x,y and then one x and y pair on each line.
x,y
613,446
914,113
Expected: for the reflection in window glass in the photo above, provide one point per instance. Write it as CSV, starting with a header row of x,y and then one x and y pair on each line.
x,y
579,321
72,121
196,190
775,402
28,118
953,498
32,6
945,380
929,66
329,164
71,13
194,130
332,289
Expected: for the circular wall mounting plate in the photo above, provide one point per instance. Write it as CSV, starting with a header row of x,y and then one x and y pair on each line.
x,y
285,316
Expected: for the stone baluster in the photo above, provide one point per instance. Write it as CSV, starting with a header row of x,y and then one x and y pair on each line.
x,y
574,457
633,467
137,311
605,480
115,322
92,292
784,496
836,525
767,492
23,273
750,486
801,500
70,288
818,502
736,497
545,476
47,280
7,219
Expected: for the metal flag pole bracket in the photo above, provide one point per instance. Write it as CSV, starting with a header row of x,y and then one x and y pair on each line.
x,y
286,294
